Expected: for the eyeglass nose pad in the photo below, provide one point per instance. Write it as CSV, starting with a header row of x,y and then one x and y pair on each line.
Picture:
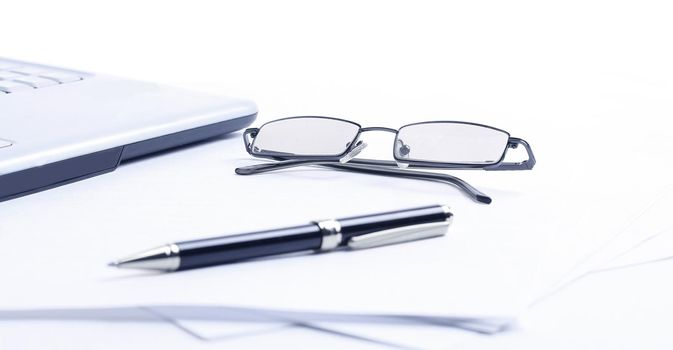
x,y
402,151
354,152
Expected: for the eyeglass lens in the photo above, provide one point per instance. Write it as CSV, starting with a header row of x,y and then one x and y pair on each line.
x,y
305,136
450,142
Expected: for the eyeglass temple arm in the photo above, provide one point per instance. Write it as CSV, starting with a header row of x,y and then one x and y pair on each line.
x,y
421,175
527,164
372,167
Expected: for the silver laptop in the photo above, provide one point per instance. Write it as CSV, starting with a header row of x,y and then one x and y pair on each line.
x,y
62,125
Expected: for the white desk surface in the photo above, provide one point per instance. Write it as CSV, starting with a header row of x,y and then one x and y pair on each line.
x,y
591,75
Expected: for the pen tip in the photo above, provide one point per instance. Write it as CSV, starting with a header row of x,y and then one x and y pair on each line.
x,y
113,264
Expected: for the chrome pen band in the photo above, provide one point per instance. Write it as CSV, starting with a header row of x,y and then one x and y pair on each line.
x,y
331,234
447,210
173,257
448,213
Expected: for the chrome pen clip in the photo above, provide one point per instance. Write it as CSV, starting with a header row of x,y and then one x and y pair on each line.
x,y
400,235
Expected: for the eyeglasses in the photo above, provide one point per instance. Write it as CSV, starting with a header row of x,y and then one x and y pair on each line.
x,y
333,142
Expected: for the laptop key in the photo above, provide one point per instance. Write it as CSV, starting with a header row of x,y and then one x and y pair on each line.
x,y
61,77
35,82
8,75
12,86
29,70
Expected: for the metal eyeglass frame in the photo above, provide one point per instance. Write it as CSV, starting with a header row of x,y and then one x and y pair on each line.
x,y
344,161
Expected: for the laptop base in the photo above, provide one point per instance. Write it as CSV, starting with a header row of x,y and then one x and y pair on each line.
x,y
29,181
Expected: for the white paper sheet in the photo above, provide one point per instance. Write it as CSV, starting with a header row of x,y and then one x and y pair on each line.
x,y
225,324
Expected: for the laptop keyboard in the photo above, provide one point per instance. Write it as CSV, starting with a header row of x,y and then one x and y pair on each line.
x,y
19,76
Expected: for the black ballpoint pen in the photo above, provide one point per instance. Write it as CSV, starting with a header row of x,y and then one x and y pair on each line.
x,y
355,232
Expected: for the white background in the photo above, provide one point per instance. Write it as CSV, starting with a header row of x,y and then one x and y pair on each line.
x,y
586,74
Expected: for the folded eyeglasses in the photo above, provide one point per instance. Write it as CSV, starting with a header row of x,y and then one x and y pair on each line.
x,y
332,142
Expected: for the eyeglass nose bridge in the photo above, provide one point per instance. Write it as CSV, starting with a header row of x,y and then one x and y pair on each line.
x,y
404,148
378,128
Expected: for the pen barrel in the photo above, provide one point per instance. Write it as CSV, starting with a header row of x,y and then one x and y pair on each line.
x,y
227,249
360,225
